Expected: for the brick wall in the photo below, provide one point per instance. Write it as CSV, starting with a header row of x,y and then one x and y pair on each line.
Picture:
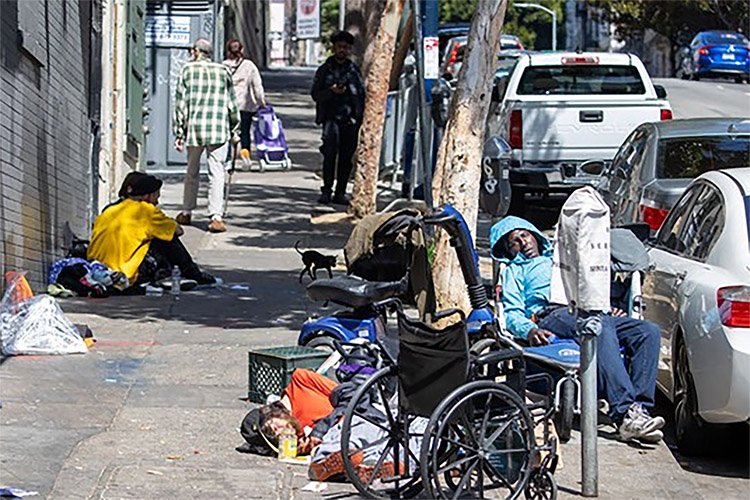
x,y
45,131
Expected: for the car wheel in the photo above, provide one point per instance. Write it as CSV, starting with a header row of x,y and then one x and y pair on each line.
x,y
739,79
689,426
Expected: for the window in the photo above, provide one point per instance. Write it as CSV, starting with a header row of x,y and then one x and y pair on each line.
x,y
581,79
725,39
688,157
704,225
669,234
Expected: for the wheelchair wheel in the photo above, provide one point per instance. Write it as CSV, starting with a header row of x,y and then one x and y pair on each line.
x,y
564,417
480,437
542,486
373,434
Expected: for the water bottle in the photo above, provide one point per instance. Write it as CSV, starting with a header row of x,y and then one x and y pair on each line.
x,y
176,278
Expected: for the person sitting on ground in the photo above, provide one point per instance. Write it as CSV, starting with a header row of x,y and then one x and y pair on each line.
x,y
125,188
530,316
136,238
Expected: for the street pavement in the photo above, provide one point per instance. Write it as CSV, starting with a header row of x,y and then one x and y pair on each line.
x,y
707,98
152,410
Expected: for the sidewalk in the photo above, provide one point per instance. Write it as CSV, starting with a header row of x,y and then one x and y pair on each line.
x,y
152,411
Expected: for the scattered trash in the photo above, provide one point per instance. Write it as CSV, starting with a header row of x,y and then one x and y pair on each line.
x,y
154,291
240,287
154,472
174,457
300,460
35,325
111,380
315,486
16,492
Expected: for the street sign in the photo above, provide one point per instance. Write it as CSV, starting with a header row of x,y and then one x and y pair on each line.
x,y
308,19
431,57
170,31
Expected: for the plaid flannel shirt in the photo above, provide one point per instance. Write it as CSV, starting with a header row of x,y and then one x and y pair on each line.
x,y
205,109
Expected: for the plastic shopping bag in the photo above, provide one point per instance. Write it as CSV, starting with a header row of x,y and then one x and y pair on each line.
x,y
35,325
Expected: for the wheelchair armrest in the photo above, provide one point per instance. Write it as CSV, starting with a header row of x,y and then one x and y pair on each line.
x,y
449,312
498,356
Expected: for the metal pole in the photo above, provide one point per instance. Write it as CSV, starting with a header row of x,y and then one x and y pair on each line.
x,y
554,30
342,14
548,11
424,129
589,330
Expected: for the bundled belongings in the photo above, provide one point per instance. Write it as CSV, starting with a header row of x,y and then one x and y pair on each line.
x,y
388,246
85,279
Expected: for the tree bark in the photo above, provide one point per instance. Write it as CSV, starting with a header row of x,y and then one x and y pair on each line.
x,y
457,172
402,49
373,13
367,158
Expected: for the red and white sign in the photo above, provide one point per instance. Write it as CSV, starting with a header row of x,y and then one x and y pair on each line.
x,y
431,57
308,19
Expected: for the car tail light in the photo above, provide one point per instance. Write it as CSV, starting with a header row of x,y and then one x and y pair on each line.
x,y
515,132
454,55
666,114
653,216
704,50
734,305
580,60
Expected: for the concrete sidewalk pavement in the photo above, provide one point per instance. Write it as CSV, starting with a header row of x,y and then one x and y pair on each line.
x,y
153,410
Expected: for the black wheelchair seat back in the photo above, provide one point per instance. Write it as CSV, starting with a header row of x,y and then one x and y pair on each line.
x,y
354,292
431,363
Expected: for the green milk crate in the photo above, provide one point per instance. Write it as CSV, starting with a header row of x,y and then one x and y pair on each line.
x,y
270,370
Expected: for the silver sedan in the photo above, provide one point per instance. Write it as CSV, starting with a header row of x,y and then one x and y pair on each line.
x,y
698,292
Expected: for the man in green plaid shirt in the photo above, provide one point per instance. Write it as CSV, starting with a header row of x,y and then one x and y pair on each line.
x,y
206,117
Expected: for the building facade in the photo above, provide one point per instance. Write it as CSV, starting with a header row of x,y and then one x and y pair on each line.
x,y
49,122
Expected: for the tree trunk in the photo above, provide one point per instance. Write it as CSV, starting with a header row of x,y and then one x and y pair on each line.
x,y
367,158
373,13
457,172
402,49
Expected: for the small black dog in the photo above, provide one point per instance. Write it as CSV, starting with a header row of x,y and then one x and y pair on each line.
x,y
313,261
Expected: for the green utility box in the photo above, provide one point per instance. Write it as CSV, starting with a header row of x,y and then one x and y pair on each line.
x,y
270,370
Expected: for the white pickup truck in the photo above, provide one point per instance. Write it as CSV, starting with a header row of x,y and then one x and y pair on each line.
x,y
558,109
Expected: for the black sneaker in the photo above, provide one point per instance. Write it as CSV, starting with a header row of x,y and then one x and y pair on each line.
x,y
203,278
340,199
325,198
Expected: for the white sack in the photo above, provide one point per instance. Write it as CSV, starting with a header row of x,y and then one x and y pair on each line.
x,y
581,260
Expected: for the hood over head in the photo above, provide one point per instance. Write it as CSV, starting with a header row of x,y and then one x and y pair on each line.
x,y
511,223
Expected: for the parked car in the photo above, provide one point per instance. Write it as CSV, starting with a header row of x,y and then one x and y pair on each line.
x,y
456,47
716,53
559,109
658,161
698,292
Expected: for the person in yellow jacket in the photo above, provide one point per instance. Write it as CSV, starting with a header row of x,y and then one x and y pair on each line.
x,y
136,238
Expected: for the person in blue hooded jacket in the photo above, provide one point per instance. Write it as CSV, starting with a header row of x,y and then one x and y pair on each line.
x,y
530,316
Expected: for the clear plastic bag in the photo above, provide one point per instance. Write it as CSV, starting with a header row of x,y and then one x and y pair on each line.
x,y
36,325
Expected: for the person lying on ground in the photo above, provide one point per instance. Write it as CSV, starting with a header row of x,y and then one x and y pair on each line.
x,y
136,238
531,317
304,405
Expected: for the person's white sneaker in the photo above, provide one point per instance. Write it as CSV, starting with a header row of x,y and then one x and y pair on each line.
x,y
652,437
637,423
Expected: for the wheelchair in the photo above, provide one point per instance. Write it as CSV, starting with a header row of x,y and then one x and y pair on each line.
x,y
439,418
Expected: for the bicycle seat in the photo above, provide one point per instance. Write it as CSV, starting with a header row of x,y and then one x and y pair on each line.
x,y
353,291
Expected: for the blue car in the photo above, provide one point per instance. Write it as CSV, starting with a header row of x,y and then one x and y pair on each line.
x,y
718,53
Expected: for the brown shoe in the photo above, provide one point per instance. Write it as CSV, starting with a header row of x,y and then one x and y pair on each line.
x,y
183,219
332,465
217,226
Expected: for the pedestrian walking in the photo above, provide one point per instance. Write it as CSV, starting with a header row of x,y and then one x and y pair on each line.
x,y
339,96
248,90
205,119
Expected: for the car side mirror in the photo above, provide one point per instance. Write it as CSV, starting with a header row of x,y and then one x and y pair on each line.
x,y
592,167
661,92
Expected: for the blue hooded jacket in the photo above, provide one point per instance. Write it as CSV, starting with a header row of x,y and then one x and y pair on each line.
x,y
526,282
